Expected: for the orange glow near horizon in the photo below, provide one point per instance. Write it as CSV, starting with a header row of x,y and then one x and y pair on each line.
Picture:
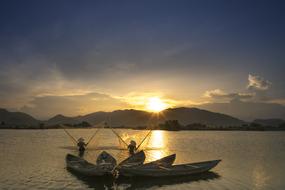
x,y
155,104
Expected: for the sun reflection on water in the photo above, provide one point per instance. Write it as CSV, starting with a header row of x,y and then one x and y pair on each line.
x,y
157,139
260,178
157,145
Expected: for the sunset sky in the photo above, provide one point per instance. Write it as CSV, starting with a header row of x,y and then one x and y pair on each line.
x,y
77,57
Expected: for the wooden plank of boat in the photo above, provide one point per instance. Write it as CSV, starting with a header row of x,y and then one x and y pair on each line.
x,y
164,168
134,160
163,162
80,166
174,170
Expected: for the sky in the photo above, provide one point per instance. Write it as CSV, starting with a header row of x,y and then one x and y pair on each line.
x,y
77,57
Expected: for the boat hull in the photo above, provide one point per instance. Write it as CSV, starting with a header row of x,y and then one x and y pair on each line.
x,y
174,170
135,160
80,166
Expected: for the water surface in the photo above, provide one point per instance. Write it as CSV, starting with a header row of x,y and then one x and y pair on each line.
x,y
35,159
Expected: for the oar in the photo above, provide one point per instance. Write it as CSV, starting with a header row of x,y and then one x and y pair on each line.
x,y
144,139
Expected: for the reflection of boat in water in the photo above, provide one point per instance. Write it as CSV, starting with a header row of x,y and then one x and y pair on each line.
x,y
142,182
148,182
173,170
96,182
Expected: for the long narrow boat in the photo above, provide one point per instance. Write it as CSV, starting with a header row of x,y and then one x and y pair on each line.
x,y
166,161
134,160
105,165
163,162
174,170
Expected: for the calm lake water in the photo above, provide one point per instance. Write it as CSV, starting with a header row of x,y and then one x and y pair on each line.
x,y
35,159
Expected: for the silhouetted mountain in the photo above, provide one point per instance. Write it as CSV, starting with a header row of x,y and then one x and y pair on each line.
x,y
127,118
16,118
269,122
194,115
247,110
116,118
133,118
61,119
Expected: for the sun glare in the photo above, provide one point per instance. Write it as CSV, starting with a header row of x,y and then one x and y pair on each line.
x,y
155,104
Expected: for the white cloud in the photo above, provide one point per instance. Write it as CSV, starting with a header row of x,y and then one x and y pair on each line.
x,y
220,94
257,83
212,93
280,101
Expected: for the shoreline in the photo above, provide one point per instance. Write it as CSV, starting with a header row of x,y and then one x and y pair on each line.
x,y
132,128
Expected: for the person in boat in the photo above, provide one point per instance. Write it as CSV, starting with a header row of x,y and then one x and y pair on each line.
x,y
81,145
132,147
102,158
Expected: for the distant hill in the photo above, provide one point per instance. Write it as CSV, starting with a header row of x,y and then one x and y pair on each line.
x,y
120,118
133,118
269,122
61,119
247,111
127,118
194,115
16,118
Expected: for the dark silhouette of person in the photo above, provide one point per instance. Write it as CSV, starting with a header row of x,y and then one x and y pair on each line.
x,y
81,146
132,147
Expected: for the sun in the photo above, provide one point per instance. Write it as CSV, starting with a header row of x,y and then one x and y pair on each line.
x,y
155,104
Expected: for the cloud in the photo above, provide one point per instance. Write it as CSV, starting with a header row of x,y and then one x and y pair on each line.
x,y
256,82
213,93
280,101
220,94
22,83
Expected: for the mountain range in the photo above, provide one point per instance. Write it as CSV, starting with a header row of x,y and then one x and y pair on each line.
x,y
16,118
129,118
134,118
247,111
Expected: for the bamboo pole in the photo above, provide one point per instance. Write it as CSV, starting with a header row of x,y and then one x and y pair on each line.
x,y
92,136
144,139
73,139
118,136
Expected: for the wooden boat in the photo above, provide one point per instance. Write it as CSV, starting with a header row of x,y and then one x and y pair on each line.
x,y
163,162
174,170
134,160
105,165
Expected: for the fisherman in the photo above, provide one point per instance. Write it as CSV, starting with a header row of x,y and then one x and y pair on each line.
x,y
132,147
81,145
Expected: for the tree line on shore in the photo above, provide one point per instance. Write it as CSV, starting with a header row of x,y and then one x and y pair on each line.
x,y
170,125
174,125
